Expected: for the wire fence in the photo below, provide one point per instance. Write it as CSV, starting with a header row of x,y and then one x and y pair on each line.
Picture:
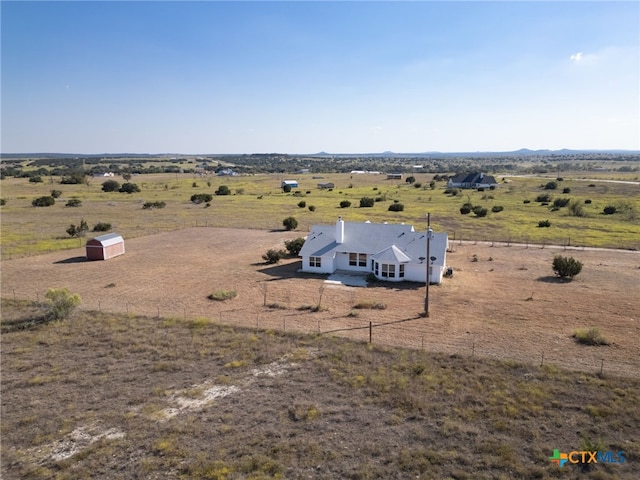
x,y
394,330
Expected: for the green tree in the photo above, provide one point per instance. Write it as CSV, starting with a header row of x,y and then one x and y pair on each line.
x,y
76,176
366,202
43,201
110,186
294,246
129,188
201,198
290,223
62,303
566,266
223,190
273,256
78,230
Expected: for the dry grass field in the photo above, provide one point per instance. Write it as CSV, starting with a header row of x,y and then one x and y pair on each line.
x,y
506,305
149,381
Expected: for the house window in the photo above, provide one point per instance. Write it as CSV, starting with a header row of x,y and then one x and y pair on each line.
x,y
401,270
358,259
377,266
388,270
315,261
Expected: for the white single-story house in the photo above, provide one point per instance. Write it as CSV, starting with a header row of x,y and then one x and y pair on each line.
x,y
291,183
472,180
392,252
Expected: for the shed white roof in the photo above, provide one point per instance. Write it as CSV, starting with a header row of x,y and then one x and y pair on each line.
x,y
108,239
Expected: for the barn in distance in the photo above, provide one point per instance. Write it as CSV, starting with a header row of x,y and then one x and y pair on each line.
x,y
105,247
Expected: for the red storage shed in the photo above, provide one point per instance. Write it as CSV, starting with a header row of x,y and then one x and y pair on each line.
x,y
105,247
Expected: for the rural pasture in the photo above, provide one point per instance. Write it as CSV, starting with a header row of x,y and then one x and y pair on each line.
x,y
257,202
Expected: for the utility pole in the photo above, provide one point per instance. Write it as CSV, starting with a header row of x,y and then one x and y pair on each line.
x,y
428,261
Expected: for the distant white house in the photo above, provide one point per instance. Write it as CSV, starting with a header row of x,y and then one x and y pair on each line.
x,y
472,180
291,183
392,252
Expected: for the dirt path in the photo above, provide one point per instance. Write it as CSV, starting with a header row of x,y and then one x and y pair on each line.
x,y
506,304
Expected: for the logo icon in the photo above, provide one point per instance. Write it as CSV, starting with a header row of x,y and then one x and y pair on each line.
x,y
559,458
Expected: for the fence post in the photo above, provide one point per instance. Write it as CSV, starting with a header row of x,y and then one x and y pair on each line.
x,y
601,366
370,332
473,349
542,359
422,343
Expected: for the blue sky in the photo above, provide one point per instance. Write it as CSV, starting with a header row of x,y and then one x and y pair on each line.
x,y
303,77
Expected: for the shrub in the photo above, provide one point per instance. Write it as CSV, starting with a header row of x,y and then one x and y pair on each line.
x,y
366,202
3,201
609,210
198,198
551,186
576,210
543,198
312,208
566,266
286,188
559,179
587,201
452,191
110,186
223,190
526,201
370,304
480,211
465,209
410,179
290,223
566,190
294,246
222,295
73,202
35,179
497,208
302,204
417,185
273,256
561,202
590,336
396,207
74,177
56,193
101,227
544,223
43,201
62,303
150,205
129,188
345,204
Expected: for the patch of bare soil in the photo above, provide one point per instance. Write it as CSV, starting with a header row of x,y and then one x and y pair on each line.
x,y
507,304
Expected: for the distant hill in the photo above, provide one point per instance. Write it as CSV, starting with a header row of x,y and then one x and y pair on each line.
x,y
523,152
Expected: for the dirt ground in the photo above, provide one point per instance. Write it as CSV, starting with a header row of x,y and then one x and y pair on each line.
x,y
507,304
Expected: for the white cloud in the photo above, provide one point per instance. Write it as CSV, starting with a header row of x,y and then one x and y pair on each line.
x,y
576,57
